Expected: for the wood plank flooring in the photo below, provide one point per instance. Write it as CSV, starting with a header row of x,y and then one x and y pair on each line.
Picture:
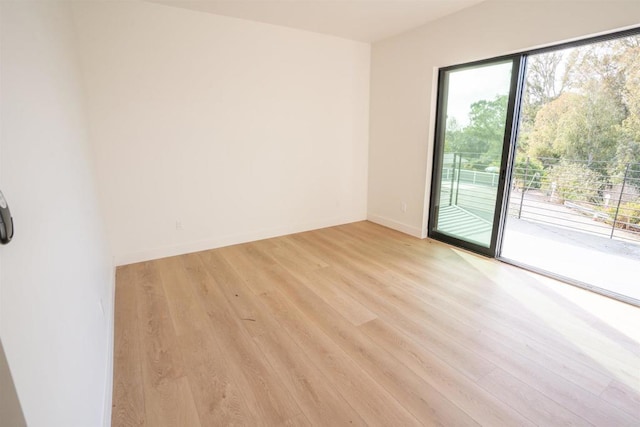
x,y
362,325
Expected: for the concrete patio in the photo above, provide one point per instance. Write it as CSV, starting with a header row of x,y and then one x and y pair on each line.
x,y
582,252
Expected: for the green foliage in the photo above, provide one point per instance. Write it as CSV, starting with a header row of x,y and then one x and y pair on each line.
x,y
631,96
545,139
528,174
578,126
628,150
574,182
580,105
546,81
583,104
629,213
481,141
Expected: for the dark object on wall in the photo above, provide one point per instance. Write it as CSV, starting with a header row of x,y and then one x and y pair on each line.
x,y
6,222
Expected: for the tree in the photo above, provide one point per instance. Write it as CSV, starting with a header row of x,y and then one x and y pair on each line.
x,y
586,121
628,149
544,137
578,127
588,130
548,77
480,141
575,182
527,173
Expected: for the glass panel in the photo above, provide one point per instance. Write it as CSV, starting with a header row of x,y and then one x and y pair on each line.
x,y
574,208
475,107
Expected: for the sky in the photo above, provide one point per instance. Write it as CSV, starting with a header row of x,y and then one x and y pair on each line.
x,y
470,85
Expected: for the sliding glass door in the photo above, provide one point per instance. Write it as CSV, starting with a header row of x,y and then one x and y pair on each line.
x,y
574,209
473,138
541,167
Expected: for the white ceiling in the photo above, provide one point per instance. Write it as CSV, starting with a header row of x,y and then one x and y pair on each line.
x,y
362,20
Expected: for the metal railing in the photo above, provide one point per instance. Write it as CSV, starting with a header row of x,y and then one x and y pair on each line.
x,y
471,176
468,188
594,197
599,198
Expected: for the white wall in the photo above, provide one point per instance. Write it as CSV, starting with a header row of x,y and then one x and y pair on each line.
x,y
239,130
57,268
403,86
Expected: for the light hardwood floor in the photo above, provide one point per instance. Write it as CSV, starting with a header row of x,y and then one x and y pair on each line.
x,y
362,325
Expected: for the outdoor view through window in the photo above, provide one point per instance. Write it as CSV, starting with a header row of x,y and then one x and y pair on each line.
x,y
573,205
476,112
574,208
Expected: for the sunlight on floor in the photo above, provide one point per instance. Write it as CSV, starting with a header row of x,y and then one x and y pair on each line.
x,y
619,316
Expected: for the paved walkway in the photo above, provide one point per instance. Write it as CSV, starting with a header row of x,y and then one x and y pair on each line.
x,y
613,265
536,207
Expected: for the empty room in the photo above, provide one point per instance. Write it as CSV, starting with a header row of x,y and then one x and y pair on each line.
x,y
319,213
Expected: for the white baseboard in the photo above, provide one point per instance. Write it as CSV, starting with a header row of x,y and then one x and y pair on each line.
x,y
396,225
219,242
108,388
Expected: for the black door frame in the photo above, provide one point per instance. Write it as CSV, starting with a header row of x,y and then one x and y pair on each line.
x,y
508,149
509,143
508,159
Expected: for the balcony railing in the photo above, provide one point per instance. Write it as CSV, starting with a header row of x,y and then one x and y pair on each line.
x,y
594,197
608,196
